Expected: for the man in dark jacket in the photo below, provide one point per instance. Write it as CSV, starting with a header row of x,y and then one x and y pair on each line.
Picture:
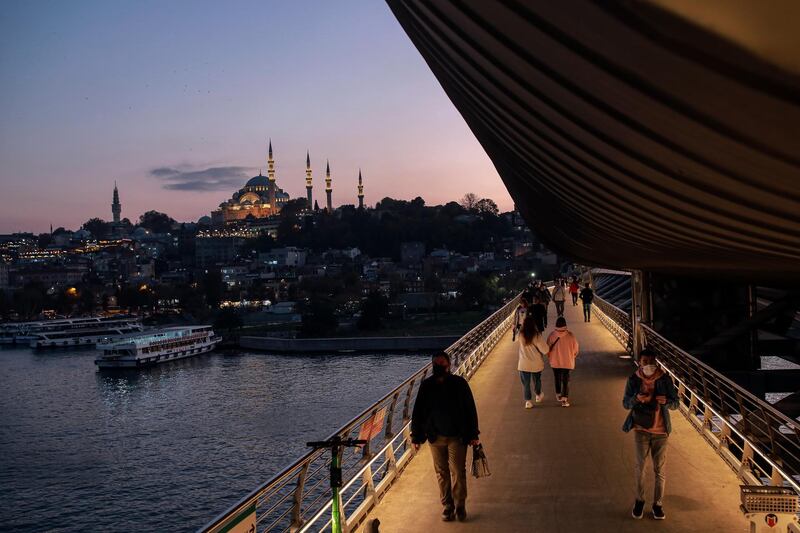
x,y
445,415
539,312
650,391
544,295
587,295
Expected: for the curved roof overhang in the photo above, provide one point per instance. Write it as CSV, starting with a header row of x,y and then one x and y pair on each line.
x,y
631,135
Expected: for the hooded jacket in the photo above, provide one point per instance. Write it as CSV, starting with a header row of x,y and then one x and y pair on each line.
x,y
663,387
531,356
562,353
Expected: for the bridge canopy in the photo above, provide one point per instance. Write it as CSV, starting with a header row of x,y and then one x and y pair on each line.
x,y
634,134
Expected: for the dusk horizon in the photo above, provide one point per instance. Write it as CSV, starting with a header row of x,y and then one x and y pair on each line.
x,y
103,94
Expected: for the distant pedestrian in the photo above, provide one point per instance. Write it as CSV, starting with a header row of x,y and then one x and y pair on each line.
x,y
587,295
559,296
519,316
539,312
573,290
544,295
445,415
563,350
531,353
649,394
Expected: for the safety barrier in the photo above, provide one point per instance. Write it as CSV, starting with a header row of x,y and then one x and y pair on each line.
x,y
760,443
298,499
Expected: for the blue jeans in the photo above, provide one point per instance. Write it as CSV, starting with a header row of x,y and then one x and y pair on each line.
x,y
525,377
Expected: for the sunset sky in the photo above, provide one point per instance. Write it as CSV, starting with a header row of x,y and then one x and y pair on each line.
x,y
176,100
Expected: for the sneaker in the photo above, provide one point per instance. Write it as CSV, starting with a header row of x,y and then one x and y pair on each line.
x,y
461,514
564,402
539,398
658,513
448,515
558,397
638,509
528,404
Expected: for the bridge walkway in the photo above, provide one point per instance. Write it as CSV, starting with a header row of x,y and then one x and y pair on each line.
x,y
558,469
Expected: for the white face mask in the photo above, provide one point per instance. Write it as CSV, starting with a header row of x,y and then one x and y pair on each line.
x,y
649,370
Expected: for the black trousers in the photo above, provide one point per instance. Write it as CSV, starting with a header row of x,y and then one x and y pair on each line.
x,y
574,298
561,376
587,311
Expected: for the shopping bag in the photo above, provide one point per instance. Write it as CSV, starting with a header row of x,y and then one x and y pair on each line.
x,y
480,466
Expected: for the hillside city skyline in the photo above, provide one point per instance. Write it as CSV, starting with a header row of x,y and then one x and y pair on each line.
x,y
143,90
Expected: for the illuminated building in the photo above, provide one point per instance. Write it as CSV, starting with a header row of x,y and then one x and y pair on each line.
x,y
309,185
328,188
360,191
260,198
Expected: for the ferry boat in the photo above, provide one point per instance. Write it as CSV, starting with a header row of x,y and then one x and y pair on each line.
x,y
158,347
86,336
25,332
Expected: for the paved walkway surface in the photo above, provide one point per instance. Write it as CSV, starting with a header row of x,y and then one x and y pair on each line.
x,y
558,469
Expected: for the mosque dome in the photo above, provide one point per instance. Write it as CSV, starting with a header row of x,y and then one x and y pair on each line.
x,y
258,181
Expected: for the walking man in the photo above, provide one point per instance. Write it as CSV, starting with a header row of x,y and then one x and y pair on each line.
x,y
587,295
539,312
544,295
649,394
559,296
445,415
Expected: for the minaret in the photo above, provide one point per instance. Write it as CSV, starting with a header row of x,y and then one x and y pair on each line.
x,y
116,207
308,180
360,191
271,174
328,189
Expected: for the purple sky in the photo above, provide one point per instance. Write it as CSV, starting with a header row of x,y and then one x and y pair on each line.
x,y
175,101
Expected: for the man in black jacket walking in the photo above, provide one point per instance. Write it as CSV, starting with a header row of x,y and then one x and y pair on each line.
x,y
445,415
539,312
587,295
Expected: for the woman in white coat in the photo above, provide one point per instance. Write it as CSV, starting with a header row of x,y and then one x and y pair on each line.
x,y
532,350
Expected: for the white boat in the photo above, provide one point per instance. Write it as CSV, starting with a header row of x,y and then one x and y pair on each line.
x,y
86,337
158,347
25,332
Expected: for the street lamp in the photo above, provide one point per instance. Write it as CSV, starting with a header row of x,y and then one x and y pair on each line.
x,y
533,274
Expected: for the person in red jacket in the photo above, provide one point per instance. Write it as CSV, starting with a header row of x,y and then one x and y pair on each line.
x,y
573,290
563,352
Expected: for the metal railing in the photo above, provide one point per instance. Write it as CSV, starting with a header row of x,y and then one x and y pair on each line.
x,y
617,321
761,444
298,499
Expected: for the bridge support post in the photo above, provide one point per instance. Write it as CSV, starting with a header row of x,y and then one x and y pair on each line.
x,y
297,500
641,309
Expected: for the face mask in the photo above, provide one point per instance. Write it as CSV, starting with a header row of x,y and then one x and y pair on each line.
x,y
439,371
649,370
